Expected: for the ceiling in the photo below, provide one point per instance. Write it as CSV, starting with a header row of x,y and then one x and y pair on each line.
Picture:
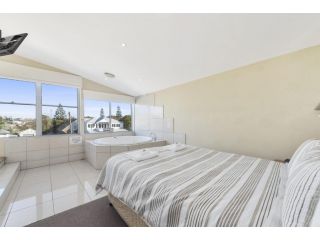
x,y
162,50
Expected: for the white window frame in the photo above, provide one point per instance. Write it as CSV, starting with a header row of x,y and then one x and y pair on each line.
x,y
109,98
19,72
39,94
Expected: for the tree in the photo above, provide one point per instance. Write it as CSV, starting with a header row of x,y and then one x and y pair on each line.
x,y
1,122
118,113
126,122
102,113
60,113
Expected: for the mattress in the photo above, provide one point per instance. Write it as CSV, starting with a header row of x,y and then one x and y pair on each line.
x,y
196,187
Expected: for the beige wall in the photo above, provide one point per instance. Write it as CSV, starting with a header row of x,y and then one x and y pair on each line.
x,y
264,110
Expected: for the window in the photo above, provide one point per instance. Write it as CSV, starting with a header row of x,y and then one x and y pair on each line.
x,y
59,110
17,108
96,116
103,116
121,116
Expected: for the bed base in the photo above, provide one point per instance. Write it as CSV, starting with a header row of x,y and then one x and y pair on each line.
x,y
130,217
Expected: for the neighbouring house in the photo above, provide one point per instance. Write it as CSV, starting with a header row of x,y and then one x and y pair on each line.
x,y
102,124
5,133
65,128
28,133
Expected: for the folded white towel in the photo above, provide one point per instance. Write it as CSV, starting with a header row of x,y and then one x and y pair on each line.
x,y
142,154
174,147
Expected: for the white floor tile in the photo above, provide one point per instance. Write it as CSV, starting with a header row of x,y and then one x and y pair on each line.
x,y
40,171
27,190
41,192
66,189
84,170
70,201
64,180
22,202
90,185
30,215
64,167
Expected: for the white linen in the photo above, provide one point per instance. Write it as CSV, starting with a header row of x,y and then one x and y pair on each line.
x,y
195,187
141,155
176,147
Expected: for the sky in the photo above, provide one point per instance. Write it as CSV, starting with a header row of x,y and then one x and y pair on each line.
x,y
25,92
92,108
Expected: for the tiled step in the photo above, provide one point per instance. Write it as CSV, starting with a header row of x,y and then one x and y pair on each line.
x,y
8,175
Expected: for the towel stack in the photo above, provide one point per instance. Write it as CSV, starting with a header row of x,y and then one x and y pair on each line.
x,y
174,147
145,154
142,154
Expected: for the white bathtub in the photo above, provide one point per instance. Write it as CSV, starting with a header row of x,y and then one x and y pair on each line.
x,y
98,151
122,140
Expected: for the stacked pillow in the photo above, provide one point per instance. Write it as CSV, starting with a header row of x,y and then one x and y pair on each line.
x,y
301,203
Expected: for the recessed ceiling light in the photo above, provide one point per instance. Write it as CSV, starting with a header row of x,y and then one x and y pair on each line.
x,y
123,44
109,75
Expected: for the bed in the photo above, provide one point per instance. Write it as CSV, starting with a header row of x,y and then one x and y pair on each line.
x,y
198,187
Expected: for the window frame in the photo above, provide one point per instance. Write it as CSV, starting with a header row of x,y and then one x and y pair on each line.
x,y
108,104
78,107
38,102
20,103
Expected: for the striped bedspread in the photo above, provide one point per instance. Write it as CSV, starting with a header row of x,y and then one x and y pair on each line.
x,y
195,187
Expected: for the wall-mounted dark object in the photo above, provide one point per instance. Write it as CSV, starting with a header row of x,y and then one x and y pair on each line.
x,y
8,45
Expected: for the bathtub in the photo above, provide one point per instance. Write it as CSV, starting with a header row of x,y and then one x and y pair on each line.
x,y
98,151
122,140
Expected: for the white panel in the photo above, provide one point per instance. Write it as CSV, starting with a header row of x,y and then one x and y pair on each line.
x,y
167,125
159,135
143,133
156,112
179,138
142,119
156,124
168,137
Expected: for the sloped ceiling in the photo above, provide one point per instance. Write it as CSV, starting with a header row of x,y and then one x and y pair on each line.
x,y
161,50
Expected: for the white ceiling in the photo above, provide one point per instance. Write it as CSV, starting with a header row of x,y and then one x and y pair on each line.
x,y
162,50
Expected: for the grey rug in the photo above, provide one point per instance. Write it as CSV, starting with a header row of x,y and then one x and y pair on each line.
x,y
97,213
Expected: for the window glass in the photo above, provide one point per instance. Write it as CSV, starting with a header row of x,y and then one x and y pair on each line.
x,y
17,91
59,110
55,95
96,116
17,108
121,116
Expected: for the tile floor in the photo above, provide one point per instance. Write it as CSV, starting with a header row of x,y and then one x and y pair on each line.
x,y
42,192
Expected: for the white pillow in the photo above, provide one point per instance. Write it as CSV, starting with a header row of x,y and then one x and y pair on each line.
x,y
301,201
302,154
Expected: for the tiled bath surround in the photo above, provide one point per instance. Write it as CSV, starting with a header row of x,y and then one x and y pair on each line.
x,y
32,152
98,155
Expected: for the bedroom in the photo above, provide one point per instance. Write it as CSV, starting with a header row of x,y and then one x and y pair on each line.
x,y
159,120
